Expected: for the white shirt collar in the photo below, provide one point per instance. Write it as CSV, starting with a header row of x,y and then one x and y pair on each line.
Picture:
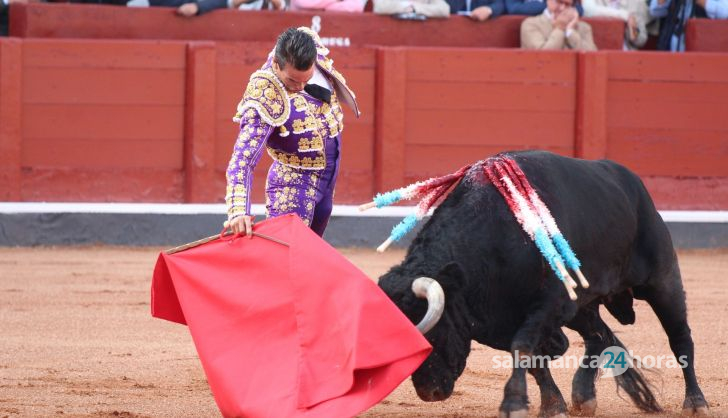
x,y
319,79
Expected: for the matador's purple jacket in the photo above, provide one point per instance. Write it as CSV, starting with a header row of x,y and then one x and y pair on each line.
x,y
296,130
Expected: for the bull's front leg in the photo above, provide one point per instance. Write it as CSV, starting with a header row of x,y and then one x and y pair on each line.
x,y
515,397
530,339
515,401
523,347
552,401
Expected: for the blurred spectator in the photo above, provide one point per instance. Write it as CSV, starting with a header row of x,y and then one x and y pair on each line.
x,y
334,5
113,2
633,12
198,7
531,7
4,18
429,8
480,10
5,15
673,17
715,9
558,27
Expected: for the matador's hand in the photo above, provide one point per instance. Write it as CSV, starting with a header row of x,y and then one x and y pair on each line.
x,y
188,9
241,225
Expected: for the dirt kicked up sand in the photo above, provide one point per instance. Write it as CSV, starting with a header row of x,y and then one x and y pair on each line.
x,y
77,340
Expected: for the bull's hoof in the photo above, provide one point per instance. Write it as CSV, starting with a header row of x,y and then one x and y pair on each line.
x,y
585,409
701,411
521,413
553,414
695,406
555,410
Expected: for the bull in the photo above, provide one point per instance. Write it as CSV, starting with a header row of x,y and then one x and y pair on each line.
x,y
486,281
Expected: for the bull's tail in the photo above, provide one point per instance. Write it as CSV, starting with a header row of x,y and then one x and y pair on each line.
x,y
633,381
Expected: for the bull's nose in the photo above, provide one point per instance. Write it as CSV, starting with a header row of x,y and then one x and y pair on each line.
x,y
432,395
438,395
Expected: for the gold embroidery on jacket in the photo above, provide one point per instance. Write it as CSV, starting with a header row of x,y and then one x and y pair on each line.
x,y
266,94
307,163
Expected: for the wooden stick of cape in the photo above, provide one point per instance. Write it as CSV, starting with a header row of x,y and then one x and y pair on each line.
x,y
205,240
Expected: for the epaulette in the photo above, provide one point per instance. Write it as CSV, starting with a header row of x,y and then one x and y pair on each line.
x,y
268,97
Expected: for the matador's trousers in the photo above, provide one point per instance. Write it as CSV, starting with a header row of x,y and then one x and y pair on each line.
x,y
307,193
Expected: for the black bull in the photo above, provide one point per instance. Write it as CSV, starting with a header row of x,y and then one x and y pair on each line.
x,y
500,292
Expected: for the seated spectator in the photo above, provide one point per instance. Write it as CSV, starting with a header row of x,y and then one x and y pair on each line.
x,y
198,7
558,27
5,13
333,5
429,8
531,7
674,16
480,10
633,12
715,9
4,18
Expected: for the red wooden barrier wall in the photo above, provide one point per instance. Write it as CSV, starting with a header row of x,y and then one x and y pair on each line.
x,y
38,20
145,121
706,35
102,120
666,117
10,119
151,121
465,105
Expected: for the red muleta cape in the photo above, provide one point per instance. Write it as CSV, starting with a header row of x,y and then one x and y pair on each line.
x,y
286,331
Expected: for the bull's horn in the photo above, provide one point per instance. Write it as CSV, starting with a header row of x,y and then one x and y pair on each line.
x,y
430,289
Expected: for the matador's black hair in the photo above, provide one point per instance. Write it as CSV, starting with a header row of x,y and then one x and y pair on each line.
x,y
297,48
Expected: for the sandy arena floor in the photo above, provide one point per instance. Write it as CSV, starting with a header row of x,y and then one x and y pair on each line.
x,y
77,340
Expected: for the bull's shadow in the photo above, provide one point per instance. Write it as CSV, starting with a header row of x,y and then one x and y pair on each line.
x,y
499,291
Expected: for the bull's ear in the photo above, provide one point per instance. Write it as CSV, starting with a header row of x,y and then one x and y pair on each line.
x,y
451,277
